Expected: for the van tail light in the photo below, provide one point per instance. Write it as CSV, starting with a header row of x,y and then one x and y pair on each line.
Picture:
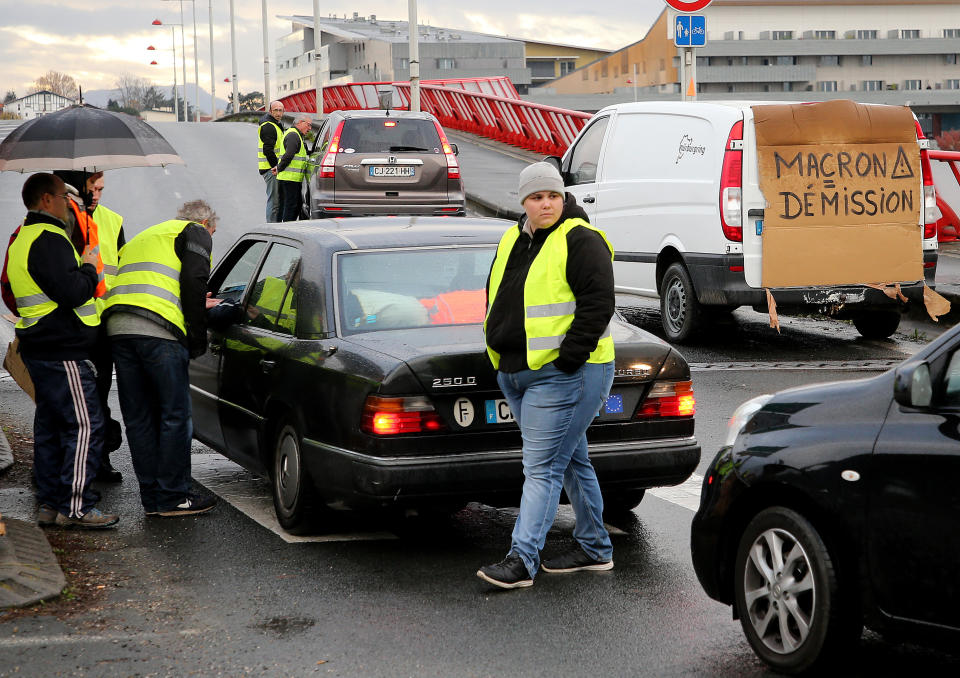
x,y
328,164
931,213
668,399
731,185
453,167
394,416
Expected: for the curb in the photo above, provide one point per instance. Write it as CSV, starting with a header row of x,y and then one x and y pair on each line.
x,y
6,454
491,209
29,571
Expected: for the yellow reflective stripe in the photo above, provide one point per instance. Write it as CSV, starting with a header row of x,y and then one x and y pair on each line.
x,y
32,300
550,310
152,290
150,267
87,309
545,343
29,322
109,269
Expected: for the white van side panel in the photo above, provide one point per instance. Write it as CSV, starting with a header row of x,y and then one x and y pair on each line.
x,y
752,200
660,187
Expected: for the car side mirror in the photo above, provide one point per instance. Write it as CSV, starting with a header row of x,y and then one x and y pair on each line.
x,y
556,161
912,386
455,149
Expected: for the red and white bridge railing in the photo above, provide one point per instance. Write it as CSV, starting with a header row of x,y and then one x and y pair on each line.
x,y
488,107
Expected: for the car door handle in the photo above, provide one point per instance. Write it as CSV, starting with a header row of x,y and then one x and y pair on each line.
x,y
589,199
267,365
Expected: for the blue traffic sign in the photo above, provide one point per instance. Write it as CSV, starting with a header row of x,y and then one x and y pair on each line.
x,y
691,30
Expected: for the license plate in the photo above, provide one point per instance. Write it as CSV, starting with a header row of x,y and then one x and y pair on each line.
x,y
498,411
392,171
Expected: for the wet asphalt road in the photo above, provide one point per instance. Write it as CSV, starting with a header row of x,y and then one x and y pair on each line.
x,y
219,595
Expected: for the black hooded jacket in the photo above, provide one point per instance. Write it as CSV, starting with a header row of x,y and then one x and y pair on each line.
x,y
52,263
590,276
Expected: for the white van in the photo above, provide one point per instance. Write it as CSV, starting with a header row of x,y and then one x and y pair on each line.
x,y
675,186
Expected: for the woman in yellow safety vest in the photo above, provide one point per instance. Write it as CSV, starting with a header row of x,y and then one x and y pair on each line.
x,y
550,300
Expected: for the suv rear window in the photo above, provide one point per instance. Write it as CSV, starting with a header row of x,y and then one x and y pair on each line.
x,y
385,135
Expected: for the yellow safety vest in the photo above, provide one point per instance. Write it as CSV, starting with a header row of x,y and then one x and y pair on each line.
x,y
32,303
269,303
277,146
109,224
149,273
297,166
548,301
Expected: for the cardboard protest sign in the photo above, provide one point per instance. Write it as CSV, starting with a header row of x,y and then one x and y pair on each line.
x,y
844,194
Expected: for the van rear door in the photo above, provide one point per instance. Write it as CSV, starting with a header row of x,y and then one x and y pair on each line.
x,y
753,204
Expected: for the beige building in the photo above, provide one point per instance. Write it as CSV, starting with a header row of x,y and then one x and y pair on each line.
x,y
549,60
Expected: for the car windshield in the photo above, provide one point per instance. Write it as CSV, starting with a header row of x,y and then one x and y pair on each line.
x,y
391,289
386,135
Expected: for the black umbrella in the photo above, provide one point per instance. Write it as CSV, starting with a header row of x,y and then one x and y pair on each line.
x,y
87,139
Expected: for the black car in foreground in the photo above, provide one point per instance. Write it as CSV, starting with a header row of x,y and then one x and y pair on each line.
x,y
835,506
358,376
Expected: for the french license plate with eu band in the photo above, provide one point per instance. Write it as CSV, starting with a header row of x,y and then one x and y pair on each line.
x,y
392,171
498,411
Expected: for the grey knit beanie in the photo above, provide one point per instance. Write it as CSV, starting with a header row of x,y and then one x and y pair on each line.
x,y
540,176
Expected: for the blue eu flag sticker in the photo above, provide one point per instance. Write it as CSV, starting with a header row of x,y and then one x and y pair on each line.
x,y
614,404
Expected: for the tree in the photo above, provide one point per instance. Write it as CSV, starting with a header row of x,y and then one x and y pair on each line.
x,y
153,99
132,91
248,102
11,96
58,83
949,140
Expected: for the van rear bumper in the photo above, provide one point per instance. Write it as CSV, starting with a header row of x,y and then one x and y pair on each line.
x,y
719,281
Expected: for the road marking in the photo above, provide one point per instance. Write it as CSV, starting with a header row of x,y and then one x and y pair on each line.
x,y
250,494
140,638
854,365
686,494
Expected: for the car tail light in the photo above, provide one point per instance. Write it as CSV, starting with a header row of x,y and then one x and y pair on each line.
x,y
931,213
668,399
328,165
731,185
393,416
453,167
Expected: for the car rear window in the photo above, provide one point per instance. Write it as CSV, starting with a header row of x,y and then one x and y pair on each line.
x,y
385,135
392,289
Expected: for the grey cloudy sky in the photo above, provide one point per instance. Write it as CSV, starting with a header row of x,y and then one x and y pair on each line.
x,y
96,42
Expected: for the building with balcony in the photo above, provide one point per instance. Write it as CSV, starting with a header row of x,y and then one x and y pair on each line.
x,y
879,51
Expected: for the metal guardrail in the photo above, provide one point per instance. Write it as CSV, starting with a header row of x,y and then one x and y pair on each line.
x,y
489,107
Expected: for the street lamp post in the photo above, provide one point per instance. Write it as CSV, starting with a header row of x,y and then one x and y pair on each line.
x,y
196,67
213,87
183,52
233,55
173,42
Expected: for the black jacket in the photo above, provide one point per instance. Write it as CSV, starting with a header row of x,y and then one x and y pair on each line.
x,y
268,135
590,276
193,247
52,262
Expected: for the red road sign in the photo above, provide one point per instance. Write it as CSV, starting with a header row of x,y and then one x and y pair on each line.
x,y
688,5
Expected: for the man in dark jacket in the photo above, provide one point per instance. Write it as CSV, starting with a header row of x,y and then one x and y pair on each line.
x,y
156,320
270,135
54,290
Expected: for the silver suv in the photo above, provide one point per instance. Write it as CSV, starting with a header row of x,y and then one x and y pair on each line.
x,y
383,162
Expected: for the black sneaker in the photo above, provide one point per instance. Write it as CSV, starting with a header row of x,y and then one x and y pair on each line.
x,y
106,473
575,561
191,505
509,573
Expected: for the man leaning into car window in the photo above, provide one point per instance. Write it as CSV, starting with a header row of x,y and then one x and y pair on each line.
x,y
550,300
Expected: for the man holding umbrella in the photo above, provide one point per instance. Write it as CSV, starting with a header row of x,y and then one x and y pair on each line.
x,y
103,228
54,289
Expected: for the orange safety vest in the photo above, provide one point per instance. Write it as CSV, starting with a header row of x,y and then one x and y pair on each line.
x,y
91,236
459,307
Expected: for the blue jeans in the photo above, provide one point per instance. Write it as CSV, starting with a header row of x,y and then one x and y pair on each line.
x,y
273,197
68,432
154,392
553,410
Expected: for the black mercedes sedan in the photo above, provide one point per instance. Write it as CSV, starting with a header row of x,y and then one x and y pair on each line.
x,y
358,375
834,506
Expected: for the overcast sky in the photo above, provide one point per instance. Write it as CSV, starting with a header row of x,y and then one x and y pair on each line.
x,y
95,41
